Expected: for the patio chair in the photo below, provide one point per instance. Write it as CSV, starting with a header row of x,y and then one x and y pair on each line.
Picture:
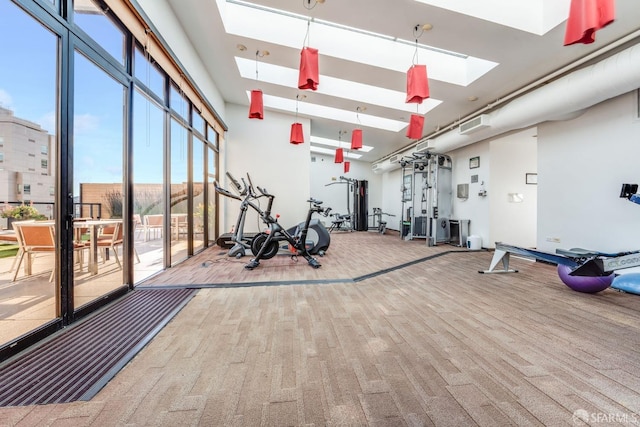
x,y
112,242
152,223
138,226
16,236
179,225
38,238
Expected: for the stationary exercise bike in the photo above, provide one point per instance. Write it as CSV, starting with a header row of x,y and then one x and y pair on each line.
x,y
267,244
317,239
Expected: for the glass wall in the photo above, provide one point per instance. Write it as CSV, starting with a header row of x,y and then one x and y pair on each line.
x,y
212,173
98,130
148,74
198,194
28,132
148,189
68,151
90,18
179,191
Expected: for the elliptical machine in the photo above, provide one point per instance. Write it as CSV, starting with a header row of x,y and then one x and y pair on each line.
x,y
241,242
268,243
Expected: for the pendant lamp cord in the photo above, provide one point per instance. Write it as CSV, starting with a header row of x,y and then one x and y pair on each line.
x,y
305,42
257,53
416,36
340,133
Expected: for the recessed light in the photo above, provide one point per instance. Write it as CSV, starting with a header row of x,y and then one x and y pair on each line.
x,y
472,98
241,47
427,27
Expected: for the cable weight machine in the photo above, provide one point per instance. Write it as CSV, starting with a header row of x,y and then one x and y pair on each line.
x,y
427,197
357,202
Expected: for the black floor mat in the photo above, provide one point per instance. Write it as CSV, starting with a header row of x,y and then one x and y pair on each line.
x,y
77,363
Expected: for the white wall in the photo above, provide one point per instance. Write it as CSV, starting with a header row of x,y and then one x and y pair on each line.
x,y
475,208
582,165
392,198
512,157
262,149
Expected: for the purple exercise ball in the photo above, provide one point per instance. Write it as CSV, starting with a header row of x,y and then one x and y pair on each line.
x,y
587,284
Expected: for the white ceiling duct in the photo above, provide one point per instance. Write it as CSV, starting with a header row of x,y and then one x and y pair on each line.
x,y
387,165
564,98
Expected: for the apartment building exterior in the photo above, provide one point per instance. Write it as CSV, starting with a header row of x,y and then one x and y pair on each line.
x,y
26,162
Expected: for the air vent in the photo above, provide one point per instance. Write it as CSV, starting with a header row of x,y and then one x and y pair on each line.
x,y
482,121
394,159
375,167
424,145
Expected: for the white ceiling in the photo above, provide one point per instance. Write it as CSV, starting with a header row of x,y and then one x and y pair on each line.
x,y
525,41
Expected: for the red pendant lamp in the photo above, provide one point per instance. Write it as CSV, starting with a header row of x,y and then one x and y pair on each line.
x,y
309,76
417,84
417,80
297,136
339,156
256,107
356,139
256,110
416,125
347,166
585,18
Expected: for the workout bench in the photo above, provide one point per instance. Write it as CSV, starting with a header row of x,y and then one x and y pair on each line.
x,y
503,253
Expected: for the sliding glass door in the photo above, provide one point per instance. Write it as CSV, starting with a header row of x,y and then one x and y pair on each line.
x,y
148,188
98,132
102,152
29,133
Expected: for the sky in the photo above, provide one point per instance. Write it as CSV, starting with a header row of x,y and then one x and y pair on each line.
x,y
28,74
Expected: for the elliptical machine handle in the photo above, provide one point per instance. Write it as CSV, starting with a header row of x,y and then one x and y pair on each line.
x,y
224,192
247,188
264,192
250,184
236,184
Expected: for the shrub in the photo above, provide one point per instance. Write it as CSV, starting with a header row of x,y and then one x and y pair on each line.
x,y
22,212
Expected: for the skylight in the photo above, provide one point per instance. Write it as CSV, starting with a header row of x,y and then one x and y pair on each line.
x,y
332,86
533,16
337,143
287,29
309,109
331,152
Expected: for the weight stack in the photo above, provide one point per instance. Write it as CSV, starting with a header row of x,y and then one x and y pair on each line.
x,y
361,206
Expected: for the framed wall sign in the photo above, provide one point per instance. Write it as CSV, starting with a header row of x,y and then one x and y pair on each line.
x,y
531,178
474,162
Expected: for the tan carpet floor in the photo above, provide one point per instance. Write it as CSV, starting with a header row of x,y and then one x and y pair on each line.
x,y
433,343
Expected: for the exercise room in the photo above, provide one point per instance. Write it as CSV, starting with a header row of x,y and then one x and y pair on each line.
x,y
319,213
